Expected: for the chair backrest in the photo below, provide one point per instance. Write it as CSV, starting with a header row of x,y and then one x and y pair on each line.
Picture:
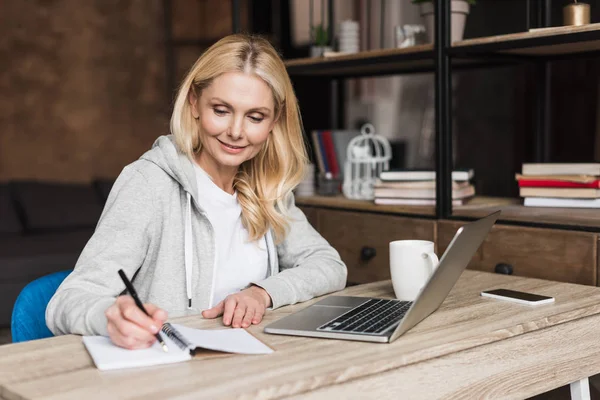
x,y
28,320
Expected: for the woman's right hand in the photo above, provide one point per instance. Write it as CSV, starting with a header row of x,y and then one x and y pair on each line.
x,y
130,327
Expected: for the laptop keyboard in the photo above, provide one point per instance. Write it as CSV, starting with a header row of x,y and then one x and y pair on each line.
x,y
374,316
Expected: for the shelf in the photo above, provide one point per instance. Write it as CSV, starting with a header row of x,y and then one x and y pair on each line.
x,y
514,211
341,202
365,63
545,42
478,207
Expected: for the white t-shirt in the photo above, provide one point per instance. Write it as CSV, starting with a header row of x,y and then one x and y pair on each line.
x,y
239,261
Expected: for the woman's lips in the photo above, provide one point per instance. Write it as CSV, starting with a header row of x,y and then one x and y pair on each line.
x,y
231,148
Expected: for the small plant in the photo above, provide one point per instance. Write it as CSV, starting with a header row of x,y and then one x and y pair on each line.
x,y
471,2
320,36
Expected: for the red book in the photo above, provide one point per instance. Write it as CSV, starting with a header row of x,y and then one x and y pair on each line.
x,y
330,153
558,184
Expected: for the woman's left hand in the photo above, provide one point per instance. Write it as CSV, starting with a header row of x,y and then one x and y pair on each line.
x,y
243,308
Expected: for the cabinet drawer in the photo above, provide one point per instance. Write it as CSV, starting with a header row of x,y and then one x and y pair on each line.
x,y
558,255
311,216
362,239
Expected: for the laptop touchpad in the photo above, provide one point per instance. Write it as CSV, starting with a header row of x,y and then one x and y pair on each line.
x,y
319,313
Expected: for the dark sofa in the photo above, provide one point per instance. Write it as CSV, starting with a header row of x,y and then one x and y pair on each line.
x,y
43,229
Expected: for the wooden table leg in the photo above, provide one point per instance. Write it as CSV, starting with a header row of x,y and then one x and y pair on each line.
x,y
580,390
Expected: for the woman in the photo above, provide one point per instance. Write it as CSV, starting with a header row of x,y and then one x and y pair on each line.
x,y
205,221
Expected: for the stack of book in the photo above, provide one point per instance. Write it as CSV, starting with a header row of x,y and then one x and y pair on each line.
x,y
575,185
417,187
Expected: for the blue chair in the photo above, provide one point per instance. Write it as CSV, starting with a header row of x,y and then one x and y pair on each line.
x,y
28,320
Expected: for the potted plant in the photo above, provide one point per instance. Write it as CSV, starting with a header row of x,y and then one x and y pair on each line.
x,y
460,10
320,41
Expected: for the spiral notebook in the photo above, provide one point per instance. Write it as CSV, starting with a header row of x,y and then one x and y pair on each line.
x,y
183,342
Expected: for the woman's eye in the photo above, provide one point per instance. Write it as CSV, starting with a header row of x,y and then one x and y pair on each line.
x,y
220,112
256,119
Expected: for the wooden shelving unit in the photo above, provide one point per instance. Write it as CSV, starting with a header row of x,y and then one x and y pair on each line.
x,y
537,45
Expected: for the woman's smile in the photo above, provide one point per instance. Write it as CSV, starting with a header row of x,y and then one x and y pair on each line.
x,y
231,149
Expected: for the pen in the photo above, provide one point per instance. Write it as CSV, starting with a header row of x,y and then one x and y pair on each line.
x,y
133,294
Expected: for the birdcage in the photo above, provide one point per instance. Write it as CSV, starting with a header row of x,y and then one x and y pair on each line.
x,y
366,156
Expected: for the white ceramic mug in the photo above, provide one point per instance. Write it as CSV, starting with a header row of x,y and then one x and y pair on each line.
x,y
411,264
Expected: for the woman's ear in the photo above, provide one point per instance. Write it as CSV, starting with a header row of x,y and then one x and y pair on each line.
x,y
194,103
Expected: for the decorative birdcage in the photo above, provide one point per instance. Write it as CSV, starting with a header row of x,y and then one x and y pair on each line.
x,y
367,156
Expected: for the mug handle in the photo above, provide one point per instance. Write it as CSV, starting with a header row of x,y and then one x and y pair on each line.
x,y
433,261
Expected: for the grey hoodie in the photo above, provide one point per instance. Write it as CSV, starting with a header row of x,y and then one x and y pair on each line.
x,y
153,228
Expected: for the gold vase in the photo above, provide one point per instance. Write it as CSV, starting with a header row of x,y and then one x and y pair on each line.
x,y
576,14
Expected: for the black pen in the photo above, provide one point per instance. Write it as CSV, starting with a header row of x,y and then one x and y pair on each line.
x,y
133,294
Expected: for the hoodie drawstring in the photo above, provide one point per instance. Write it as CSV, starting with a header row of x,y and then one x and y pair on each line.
x,y
188,250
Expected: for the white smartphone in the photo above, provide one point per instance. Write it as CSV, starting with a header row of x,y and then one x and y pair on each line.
x,y
517,297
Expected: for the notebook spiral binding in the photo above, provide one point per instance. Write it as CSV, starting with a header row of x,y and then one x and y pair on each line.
x,y
175,336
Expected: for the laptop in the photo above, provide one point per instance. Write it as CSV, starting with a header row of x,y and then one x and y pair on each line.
x,y
382,320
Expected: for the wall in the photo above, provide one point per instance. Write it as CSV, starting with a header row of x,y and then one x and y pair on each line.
x,y
196,25
83,86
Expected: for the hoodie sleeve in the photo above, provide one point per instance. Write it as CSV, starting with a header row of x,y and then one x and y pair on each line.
x,y
308,265
120,241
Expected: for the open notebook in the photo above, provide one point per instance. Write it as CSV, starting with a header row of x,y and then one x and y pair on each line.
x,y
182,342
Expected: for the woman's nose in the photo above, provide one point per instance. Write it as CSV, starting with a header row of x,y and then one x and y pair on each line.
x,y
235,130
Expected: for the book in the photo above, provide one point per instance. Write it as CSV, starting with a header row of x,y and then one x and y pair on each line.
x,y
566,178
183,343
466,191
330,155
561,203
550,183
317,150
341,140
561,169
422,175
577,193
412,202
416,184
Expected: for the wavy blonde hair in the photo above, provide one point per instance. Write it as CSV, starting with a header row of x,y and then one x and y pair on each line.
x,y
264,182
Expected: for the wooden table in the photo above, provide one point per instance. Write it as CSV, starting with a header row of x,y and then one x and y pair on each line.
x,y
472,347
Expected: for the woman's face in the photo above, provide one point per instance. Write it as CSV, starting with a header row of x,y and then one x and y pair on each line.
x,y
236,114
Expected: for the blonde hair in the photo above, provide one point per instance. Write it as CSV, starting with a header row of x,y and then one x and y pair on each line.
x,y
263,183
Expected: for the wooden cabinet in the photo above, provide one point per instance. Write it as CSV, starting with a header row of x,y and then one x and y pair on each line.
x,y
362,239
362,235
559,255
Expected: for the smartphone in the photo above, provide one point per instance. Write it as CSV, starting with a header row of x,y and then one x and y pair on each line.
x,y
517,297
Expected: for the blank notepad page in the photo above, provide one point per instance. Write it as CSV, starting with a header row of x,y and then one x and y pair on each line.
x,y
107,356
230,340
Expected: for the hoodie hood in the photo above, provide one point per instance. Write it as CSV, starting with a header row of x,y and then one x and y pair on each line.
x,y
164,154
